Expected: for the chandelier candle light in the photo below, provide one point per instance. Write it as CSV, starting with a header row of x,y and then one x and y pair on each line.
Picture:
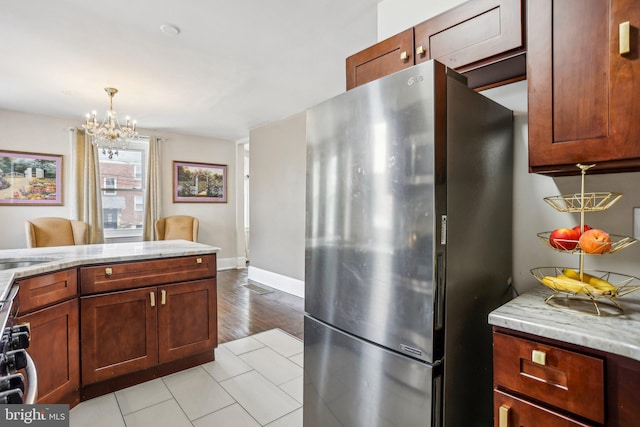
x,y
109,136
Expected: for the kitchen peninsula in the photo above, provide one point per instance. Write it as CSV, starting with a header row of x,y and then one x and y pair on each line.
x,y
557,367
107,316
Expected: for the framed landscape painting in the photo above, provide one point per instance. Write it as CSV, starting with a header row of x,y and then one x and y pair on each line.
x,y
199,182
30,178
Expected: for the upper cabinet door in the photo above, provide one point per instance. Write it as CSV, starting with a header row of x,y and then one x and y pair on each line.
x,y
475,32
381,59
584,92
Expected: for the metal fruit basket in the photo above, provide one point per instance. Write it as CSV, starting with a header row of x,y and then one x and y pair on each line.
x,y
583,202
598,302
572,246
588,291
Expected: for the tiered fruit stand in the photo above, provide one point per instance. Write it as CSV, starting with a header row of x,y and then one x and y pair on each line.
x,y
581,296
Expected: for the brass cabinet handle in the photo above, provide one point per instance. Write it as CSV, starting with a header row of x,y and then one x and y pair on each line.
x,y
108,271
504,416
163,297
420,50
198,260
625,45
153,298
404,56
539,357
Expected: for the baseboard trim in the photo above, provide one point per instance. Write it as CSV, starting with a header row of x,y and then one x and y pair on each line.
x,y
277,281
231,263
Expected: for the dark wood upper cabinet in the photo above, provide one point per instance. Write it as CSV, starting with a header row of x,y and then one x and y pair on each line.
x,y
486,36
484,39
381,59
583,93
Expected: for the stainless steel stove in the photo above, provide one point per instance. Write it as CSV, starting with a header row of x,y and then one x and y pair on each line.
x,y
15,387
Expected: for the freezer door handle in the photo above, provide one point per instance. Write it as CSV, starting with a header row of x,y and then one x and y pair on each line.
x,y
439,292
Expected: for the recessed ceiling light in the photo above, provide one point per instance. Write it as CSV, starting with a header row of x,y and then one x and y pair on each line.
x,y
170,29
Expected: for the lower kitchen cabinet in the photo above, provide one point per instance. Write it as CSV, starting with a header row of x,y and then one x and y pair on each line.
x,y
544,382
128,331
54,349
49,304
119,334
187,319
510,411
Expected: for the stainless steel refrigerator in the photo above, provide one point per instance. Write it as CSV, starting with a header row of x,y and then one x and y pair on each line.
x,y
408,248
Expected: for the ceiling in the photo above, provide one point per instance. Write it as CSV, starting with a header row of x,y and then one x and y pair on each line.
x,y
235,64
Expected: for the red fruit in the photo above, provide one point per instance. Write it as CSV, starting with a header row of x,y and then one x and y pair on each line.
x,y
595,241
577,228
564,238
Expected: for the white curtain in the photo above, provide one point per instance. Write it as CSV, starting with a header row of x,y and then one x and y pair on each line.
x,y
152,189
87,198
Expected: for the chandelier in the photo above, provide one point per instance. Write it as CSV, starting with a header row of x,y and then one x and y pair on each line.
x,y
109,136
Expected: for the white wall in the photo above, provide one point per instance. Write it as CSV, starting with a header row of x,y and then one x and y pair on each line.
x,y
34,134
395,16
218,223
277,188
531,214
43,134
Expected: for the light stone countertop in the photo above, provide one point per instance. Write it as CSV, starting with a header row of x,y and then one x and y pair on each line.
x,y
613,334
61,257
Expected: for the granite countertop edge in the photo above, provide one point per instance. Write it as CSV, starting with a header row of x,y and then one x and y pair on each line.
x,y
62,257
530,314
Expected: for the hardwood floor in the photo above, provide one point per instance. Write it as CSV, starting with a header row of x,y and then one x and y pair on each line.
x,y
243,312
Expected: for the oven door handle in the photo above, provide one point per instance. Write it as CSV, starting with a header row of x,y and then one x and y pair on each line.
x,y
32,381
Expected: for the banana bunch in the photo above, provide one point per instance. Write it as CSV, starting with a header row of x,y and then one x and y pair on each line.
x,y
569,281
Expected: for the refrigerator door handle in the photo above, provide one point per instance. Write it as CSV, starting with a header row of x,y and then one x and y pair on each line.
x,y
439,292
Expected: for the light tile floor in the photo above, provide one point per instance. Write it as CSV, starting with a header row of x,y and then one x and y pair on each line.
x,y
254,381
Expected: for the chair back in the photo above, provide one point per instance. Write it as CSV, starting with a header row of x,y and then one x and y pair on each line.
x,y
53,231
176,227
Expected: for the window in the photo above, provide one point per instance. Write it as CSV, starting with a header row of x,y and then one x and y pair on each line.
x,y
123,183
109,184
110,219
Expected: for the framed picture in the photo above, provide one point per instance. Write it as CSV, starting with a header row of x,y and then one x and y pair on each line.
x,y
199,183
30,178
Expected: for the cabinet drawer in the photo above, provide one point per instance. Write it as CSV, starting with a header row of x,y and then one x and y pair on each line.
x,y
40,291
567,380
112,277
509,411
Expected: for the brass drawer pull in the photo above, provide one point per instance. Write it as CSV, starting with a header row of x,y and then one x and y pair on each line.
x,y
108,271
198,260
163,297
625,45
420,50
404,56
152,295
504,416
539,357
